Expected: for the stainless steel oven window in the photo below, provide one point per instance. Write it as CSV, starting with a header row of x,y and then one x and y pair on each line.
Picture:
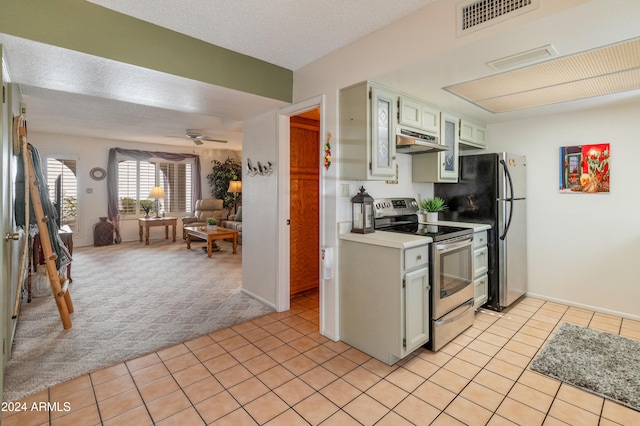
x,y
453,275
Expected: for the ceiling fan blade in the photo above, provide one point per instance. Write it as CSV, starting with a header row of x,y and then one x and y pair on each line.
x,y
197,141
208,139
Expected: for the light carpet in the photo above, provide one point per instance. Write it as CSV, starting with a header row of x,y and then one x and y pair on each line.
x,y
129,300
602,363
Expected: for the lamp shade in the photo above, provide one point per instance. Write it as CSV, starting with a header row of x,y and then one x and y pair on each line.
x,y
157,192
235,186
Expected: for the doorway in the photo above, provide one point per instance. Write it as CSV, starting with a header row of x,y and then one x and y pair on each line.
x,y
304,208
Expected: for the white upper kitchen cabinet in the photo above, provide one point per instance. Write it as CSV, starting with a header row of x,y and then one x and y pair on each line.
x,y
472,135
368,114
419,115
441,166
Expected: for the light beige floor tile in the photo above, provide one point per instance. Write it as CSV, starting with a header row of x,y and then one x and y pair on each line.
x,y
531,397
119,404
318,377
572,414
220,363
232,376
299,364
275,376
416,410
266,407
462,368
203,389
434,394
209,352
449,380
520,413
580,398
217,406
137,416
180,362
365,409
246,353
294,391
405,379
478,353
393,419
620,414
361,378
288,418
248,390
378,367
199,342
173,351
494,381
157,389
340,418
340,392
168,405
482,396
419,366
260,364
100,376
468,412
539,382
315,408
387,393
191,375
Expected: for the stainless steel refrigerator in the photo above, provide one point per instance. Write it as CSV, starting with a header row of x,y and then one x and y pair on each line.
x,y
492,190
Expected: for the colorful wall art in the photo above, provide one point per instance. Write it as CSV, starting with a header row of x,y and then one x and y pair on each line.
x,y
585,168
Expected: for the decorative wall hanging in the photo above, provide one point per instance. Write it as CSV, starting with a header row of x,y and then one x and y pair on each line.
x,y
585,168
259,168
327,152
97,173
393,181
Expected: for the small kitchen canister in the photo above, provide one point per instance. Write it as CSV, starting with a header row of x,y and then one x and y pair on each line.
x,y
362,213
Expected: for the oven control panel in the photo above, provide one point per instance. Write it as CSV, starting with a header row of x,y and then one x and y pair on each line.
x,y
395,206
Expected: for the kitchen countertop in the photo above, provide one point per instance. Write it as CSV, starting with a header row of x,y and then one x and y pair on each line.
x,y
382,238
475,226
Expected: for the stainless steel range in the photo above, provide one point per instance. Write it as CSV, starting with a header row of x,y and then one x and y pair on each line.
x,y
451,266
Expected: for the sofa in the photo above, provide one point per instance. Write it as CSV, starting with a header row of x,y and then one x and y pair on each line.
x,y
205,208
234,221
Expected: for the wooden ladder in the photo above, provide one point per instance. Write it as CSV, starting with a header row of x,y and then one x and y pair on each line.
x,y
60,291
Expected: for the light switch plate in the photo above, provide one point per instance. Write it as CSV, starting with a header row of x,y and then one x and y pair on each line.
x,y
344,190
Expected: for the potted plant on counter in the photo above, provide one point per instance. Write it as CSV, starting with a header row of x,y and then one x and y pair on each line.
x,y
432,206
212,224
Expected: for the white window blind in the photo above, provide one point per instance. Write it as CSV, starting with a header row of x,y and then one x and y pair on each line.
x,y
63,190
137,178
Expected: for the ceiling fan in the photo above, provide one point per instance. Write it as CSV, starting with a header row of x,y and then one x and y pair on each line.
x,y
197,137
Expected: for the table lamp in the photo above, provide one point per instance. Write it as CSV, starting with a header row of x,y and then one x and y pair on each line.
x,y
235,186
157,192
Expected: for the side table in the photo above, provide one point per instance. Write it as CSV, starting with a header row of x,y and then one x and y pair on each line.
x,y
144,223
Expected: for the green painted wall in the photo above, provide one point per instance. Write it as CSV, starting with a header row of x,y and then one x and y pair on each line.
x,y
85,27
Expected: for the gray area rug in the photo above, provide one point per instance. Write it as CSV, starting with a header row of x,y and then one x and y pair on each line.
x,y
129,300
602,363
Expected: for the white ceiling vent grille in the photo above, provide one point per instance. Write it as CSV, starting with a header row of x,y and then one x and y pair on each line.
x,y
478,14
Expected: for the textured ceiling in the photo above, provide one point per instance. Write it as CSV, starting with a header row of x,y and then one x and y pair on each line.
x,y
289,33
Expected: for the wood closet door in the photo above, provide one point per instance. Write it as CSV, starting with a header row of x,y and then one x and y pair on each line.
x,y
305,204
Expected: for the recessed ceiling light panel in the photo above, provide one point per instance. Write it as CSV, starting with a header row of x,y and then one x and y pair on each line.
x,y
606,70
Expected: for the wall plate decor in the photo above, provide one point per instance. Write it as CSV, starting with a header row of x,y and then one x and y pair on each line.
x,y
97,173
259,168
585,168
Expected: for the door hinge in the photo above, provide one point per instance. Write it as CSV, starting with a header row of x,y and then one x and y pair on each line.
x,y
3,95
404,283
370,166
404,343
3,346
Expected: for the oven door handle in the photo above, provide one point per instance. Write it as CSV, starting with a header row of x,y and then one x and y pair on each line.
x,y
445,246
469,305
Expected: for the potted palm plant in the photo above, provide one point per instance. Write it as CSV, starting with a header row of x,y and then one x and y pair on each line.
x,y
212,224
432,206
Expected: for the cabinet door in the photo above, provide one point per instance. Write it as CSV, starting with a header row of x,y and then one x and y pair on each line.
x,y
449,137
383,133
480,291
410,112
430,119
416,309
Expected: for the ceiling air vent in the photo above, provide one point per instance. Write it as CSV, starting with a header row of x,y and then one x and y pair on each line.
x,y
478,14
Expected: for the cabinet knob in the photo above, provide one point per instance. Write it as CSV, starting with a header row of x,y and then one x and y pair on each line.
x,y
419,257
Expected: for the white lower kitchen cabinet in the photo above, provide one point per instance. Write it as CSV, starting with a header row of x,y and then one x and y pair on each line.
x,y
481,267
384,299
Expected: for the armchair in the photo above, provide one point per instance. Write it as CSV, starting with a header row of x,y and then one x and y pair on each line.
x,y
205,208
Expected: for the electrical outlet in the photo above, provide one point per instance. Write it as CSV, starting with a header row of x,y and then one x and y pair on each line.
x,y
344,190
89,191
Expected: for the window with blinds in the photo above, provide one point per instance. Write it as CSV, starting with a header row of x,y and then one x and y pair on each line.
x,y
62,183
137,178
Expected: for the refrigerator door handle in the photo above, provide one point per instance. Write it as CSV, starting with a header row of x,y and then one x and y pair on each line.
x,y
510,200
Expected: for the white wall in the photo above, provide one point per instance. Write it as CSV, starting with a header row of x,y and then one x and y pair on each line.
x,y
92,152
582,248
260,210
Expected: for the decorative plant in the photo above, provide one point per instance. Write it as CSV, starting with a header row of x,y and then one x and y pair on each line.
x,y
433,205
147,206
219,179
212,221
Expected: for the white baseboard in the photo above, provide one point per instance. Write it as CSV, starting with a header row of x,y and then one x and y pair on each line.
x,y
587,307
266,302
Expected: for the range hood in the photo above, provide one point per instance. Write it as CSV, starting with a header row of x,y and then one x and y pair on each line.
x,y
411,142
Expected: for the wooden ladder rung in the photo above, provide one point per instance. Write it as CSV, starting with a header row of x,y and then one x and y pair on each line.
x,y
65,286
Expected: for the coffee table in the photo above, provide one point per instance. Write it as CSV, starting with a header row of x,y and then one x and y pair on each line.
x,y
219,233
